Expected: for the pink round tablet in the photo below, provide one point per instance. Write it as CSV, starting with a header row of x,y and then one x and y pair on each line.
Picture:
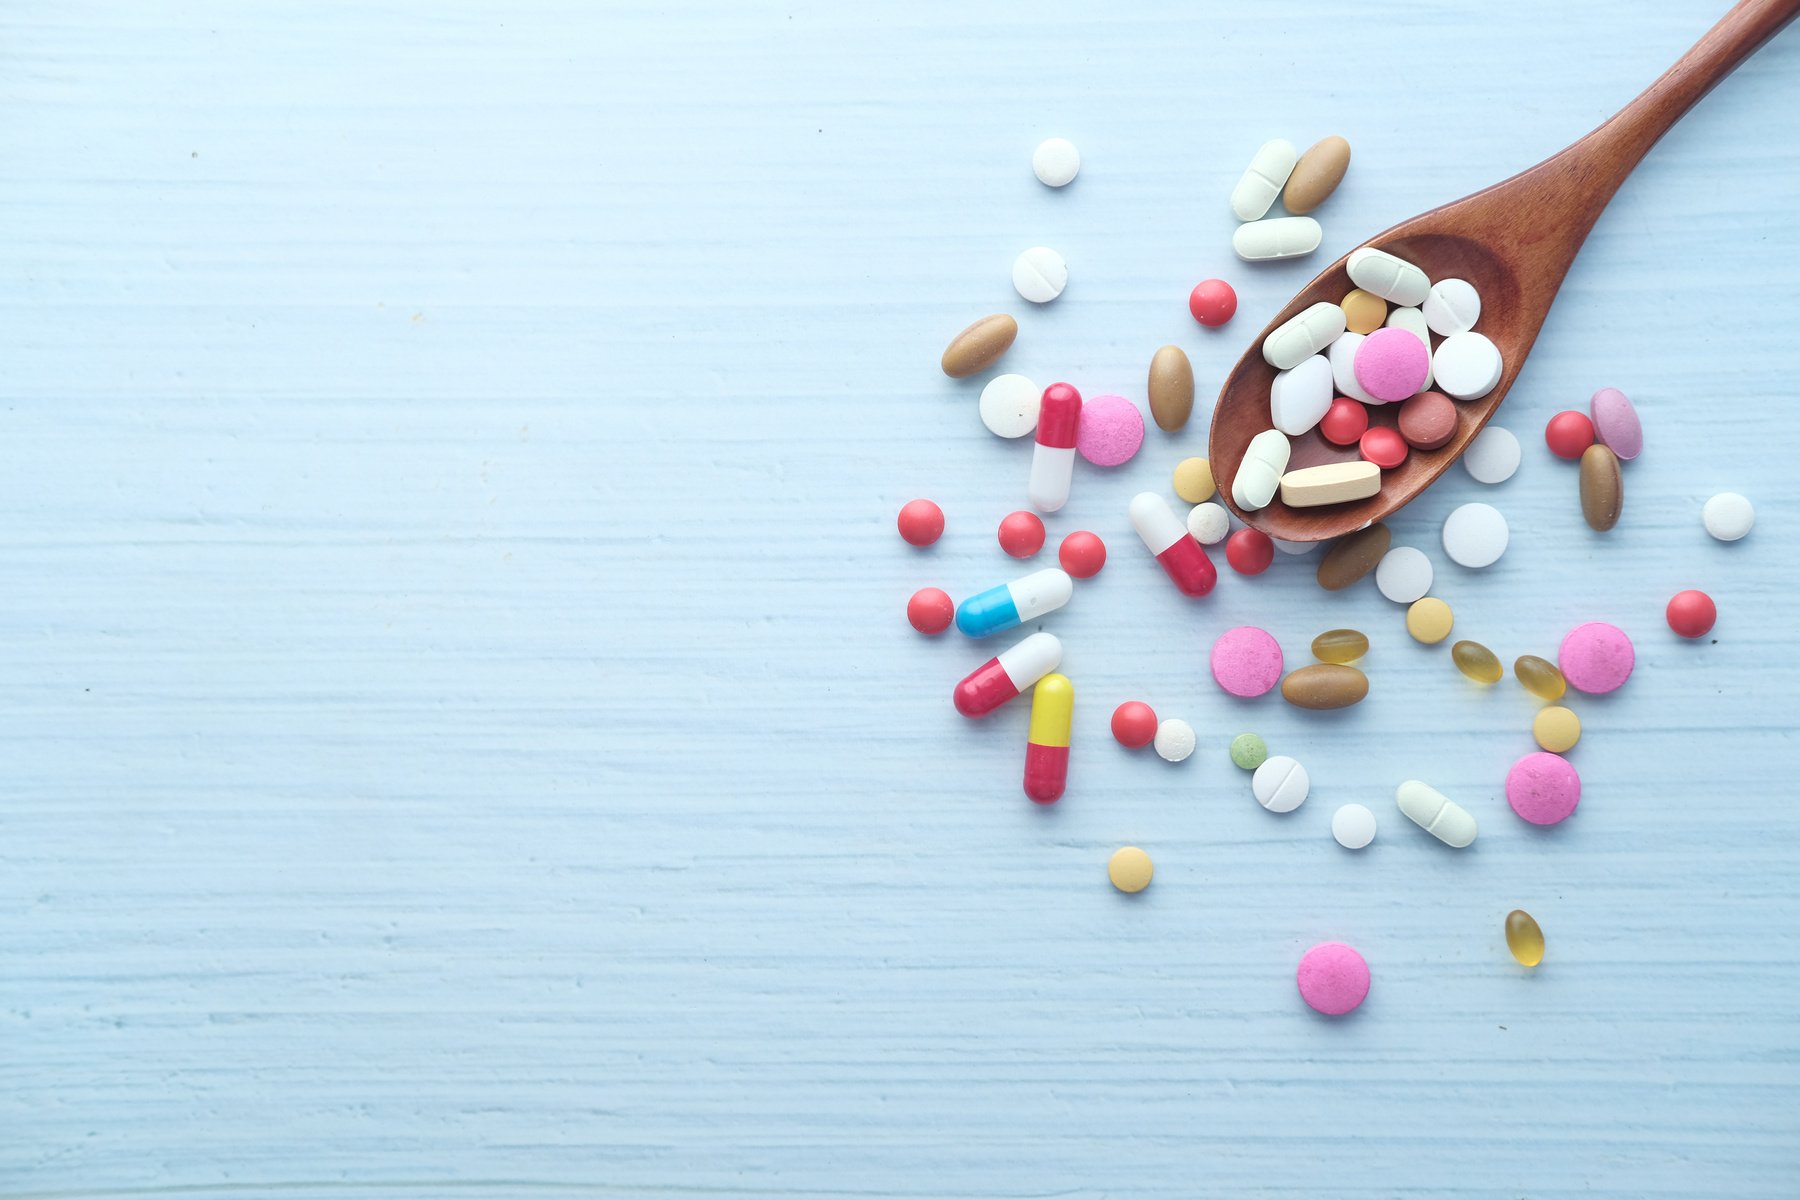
x,y
1543,788
1110,432
1333,978
1596,657
1391,364
1616,423
1246,661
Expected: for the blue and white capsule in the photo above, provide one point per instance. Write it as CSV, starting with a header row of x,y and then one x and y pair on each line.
x,y
1012,604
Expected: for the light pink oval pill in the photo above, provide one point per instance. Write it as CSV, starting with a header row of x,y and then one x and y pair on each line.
x,y
1616,423
1543,788
1596,657
1246,661
1391,364
1110,431
1333,978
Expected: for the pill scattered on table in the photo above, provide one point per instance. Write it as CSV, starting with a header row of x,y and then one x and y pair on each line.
x,y
1353,825
1615,422
1333,978
1009,406
1556,729
1475,535
1325,686
1007,674
1212,302
1691,613
1569,433
1523,938
1193,480
1602,488
1353,556
921,522
1316,175
1249,751
1249,551
1540,677
1341,646
1130,869
1171,389
930,610
1263,179
1280,784
1134,724
1010,605
1543,788
1429,620
1047,742
1056,162
1277,238
979,346
1021,534
1246,661
1477,662
1596,657
1040,274
1053,455
1082,554
1437,814
1182,558
1493,456
1209,523
1174,740
1404,574
1110,431
1728,516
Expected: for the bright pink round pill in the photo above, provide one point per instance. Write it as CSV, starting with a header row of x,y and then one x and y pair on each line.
x,y
1616,424
1333,978
1246,661
930,610
1021,533
1596,657
1391,364
1212,302
1110,432
1543,788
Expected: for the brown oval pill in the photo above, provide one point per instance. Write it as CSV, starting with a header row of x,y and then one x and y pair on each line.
x,y
977,347
1325,685
1316,175
1171,388
1602,490
1428,420
1354,556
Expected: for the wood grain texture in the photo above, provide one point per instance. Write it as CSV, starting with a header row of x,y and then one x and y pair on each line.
x,y
398,804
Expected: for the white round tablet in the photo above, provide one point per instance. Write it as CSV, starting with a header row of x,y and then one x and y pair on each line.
x,y
1475,535
1055,162
1404,574
1280,784
1009,406
1728,516
1353,826
1493,456
1466,366
1040,274
1209,523
1294,547
1174,739
1452,307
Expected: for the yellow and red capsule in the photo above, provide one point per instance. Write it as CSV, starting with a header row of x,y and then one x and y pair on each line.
x,y
1047,747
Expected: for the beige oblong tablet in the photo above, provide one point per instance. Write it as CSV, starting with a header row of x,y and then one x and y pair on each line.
x,y
1331,483
977,347
1316,175
1171,389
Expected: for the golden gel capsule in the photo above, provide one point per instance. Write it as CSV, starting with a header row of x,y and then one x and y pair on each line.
x,y
1540,677
1524,938
1477,662
1340,646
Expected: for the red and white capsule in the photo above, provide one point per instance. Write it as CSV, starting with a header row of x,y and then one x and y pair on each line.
x,y
1183,558
1007,674
1053,458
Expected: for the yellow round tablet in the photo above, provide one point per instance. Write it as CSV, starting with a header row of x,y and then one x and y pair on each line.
x,y
1429,620
1364,312
1193,480
1556,728
1130,869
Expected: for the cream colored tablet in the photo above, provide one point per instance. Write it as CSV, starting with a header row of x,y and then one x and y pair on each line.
x,y
1330,483
1130,869
1435,813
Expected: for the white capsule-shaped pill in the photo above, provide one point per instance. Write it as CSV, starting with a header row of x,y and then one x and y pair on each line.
x,y
1452,307
1301,396
1280,784
1390,278
1413,321
1265,461
1343,368
1435,813
1467,366
1308,332
1277,237
1263,179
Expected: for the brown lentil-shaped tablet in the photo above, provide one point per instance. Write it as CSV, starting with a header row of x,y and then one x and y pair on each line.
x,y
1428,420
1602,490
1171,388
1325,685
979,346
1316,175
1354,556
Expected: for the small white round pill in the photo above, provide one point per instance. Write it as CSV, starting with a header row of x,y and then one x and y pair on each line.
x,y
1009,405
1353,826
1453,307
1294,547
1493,456
1403,575
1055,162
1728,516
1040,274
1174,739
1209,523
1280,784
1466,366
1475,535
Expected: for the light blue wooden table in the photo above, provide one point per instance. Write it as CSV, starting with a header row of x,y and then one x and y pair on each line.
x,y
459,733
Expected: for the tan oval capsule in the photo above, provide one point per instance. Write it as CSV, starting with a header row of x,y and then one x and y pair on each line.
x,y
1171,388
1316,175
1602,488
1340,646
1325,685
979,346
1353,557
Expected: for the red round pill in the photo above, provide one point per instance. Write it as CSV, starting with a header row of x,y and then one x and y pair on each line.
x,y
930,610
1021,534
1344,422
1568,434
1384,447
1691,614
921,522
1249,551
1082,554
1134,724
1212,302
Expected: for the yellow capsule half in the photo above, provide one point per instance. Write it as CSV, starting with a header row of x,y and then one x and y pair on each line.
x,y
1052,711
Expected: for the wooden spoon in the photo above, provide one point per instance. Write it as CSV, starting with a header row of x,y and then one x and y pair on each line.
x,y
1514,241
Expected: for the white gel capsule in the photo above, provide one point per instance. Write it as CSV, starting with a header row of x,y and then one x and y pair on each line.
x,y
1413,321
1300,397
1390,278
1435,813
1265,461
1343,368
1277,237
1308,332
1452,307
1467,366
1263,180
